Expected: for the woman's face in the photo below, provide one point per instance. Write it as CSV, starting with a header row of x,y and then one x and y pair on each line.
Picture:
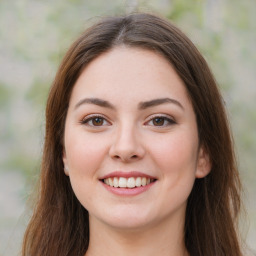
x,y
131,142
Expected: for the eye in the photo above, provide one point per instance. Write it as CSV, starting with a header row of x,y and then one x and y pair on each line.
x,y
161,121
95,121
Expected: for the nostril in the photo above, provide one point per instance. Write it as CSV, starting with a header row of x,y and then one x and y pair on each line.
x,y
133,157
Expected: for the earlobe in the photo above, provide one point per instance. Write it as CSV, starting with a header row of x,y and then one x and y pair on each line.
x,y
66,170
204,164
64,159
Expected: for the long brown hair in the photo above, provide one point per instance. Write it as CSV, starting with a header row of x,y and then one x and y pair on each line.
x,y
59,225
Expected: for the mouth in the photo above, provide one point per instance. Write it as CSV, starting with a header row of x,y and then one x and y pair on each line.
x,y
131,182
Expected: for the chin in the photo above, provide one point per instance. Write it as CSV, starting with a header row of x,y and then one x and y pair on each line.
x,y
125,218
129,224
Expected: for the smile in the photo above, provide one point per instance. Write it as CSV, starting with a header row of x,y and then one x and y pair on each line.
x,y
131,182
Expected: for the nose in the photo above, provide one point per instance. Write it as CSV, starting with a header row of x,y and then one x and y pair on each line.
x,y
127,145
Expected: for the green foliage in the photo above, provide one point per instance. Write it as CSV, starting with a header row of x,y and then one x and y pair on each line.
x,y
24,163
38,92
4,95
182,8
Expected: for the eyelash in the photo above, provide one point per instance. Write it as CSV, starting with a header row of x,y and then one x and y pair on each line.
x,y
167,121
87,120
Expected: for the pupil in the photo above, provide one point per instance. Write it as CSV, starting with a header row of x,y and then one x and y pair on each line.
x,y
158,121
97,121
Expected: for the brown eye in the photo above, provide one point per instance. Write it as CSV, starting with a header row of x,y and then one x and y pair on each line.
x,y
161,121
158,121
97,121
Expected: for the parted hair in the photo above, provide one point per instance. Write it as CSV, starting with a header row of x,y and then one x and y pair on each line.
x,y
59,224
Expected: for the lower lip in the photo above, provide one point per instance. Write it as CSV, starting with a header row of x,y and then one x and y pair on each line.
x,y
128,191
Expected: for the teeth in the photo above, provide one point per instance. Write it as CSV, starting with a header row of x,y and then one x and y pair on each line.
x,y
131,182
107,182
116,182
138,182
122,182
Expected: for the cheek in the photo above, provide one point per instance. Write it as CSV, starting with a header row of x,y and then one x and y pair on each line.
x,y
178,149
176,157
84,153
85,156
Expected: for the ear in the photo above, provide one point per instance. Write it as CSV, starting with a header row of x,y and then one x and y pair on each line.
x,y
64,159
204,164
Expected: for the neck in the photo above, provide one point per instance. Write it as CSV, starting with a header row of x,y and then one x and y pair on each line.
x,y
165,239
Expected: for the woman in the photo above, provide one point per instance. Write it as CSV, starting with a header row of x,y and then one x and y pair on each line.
x,y
138,156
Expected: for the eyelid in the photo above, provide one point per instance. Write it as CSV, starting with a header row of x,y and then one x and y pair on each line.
x,y
85,120
168,118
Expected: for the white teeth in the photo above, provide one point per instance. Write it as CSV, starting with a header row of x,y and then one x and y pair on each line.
x,y
107,181
116,182
131,182
122,182
138,182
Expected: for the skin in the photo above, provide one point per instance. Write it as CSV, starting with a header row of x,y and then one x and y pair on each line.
x,y
128,138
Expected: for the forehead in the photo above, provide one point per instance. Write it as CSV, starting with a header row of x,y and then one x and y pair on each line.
x,y
124,73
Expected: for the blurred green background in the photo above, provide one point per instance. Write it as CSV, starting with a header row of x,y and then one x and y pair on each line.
x,y
34,35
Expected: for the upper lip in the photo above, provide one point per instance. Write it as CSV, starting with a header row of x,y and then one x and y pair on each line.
x,y
126,175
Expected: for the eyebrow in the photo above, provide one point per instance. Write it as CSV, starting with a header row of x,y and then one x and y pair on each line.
x,y
95,101
156,102
141,106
